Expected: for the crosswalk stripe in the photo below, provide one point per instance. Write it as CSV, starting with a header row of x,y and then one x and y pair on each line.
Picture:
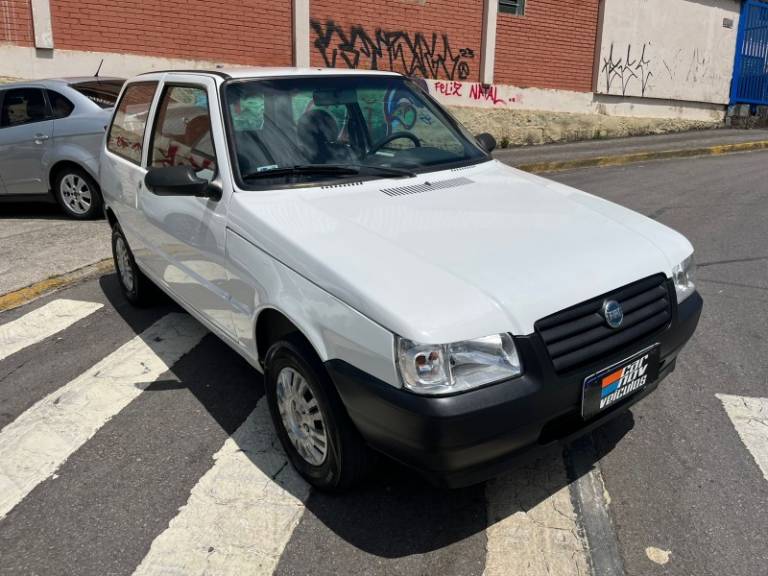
x,y
34,445
532,525
42,323
750,418
241,513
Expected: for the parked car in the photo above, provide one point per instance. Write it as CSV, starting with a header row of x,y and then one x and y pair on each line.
x,y
50,139
399,288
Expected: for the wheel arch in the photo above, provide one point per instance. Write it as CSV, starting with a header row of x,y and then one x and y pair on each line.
x,y
63,164
273,325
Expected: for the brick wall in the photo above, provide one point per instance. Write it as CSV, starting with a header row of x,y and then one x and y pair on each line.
x,y
432,38
16,22
254,32
552,46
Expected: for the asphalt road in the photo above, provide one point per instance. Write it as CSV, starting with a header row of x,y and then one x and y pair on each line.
x,y
188,444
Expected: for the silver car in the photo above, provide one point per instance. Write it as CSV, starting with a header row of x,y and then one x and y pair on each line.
x,y
50,136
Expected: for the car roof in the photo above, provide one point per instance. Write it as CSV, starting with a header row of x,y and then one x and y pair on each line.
x,y
58,81
272,72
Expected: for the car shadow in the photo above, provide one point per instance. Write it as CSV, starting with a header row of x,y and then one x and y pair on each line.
x,y
396,514
35,210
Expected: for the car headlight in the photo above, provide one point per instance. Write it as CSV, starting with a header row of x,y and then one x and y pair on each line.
x,y
684,277
435,369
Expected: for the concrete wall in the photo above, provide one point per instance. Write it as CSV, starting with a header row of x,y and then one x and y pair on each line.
x,y
671,49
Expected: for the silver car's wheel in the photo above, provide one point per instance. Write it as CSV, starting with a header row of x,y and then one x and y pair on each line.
x,y
301,416
124,265
76,193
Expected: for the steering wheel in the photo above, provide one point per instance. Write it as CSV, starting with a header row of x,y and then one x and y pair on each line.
x,y
375,147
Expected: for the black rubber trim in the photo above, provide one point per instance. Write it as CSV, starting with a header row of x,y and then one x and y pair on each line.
x,y
218,73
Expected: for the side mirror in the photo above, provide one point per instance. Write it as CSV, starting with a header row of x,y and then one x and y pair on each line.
x,y
486,141
180,181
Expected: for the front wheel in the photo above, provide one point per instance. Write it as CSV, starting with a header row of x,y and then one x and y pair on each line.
x,y
316,433
77,193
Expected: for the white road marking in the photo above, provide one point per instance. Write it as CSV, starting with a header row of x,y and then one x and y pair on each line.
x,y
241,513
42,323
750,418
532,526
33,446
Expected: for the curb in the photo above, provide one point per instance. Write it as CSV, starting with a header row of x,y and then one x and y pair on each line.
x,y
24,295
621,160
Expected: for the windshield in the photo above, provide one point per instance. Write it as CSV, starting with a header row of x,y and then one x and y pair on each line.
x,y
104,93
289,131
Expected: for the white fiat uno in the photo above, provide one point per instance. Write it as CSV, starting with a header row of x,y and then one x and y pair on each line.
x,y
400,289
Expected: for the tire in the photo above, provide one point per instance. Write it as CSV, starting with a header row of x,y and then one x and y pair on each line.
x,y
77,193
346,459
136,287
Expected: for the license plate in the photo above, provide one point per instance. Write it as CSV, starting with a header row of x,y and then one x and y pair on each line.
x,y
615,383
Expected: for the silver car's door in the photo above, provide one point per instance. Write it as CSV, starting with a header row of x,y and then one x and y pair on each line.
x,y
25,132
186,235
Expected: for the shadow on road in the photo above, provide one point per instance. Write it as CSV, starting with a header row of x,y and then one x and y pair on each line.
x,y
396,514
32,210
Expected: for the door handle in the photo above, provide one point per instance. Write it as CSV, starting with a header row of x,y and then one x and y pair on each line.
x,y
40,138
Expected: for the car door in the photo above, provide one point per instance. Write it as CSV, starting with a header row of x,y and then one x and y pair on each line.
x,y
121,167
187,234
25,131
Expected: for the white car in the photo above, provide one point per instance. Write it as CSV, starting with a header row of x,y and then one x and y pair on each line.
x,y
399,288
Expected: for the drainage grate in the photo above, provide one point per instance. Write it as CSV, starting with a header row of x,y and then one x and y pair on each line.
x,y
427,187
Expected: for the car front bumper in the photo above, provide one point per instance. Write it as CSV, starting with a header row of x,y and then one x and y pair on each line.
x,y
467,438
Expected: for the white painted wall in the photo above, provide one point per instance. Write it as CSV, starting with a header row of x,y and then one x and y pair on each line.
x,y
672,49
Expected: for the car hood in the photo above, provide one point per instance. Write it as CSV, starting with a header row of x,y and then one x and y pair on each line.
x,y
457,254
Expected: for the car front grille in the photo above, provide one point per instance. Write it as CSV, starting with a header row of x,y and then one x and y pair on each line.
x,y
579,335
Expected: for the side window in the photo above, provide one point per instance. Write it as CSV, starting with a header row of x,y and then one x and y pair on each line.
x,y
60,104
182,132
126,135
22,106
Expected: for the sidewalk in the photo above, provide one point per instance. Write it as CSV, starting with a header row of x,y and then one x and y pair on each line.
x,y
618,151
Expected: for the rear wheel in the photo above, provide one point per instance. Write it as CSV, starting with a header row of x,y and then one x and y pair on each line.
x,y
136,287
315,430
77,193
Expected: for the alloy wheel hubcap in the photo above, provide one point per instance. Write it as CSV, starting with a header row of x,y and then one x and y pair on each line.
x,y
124,264
301,416
76,193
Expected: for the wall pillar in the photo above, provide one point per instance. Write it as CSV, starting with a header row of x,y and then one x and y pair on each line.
x,y
301,33
41,22
488,48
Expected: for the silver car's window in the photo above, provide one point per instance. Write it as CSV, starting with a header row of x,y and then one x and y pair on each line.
x,y
182,131
126,135
22,106
60,104
104,93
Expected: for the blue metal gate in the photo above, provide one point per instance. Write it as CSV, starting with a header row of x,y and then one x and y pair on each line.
x,y
750,77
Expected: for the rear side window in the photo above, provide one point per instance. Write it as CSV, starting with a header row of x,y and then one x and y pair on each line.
x,y
126,135
22,106
101,92
60,104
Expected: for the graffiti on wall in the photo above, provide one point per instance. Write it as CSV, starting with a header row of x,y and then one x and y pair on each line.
x,y
622,71
475,92
413,53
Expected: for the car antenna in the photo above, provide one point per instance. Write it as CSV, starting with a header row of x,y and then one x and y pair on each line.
x,y
98,69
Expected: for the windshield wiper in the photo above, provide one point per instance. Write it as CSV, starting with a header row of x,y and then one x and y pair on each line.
x,y
329,169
